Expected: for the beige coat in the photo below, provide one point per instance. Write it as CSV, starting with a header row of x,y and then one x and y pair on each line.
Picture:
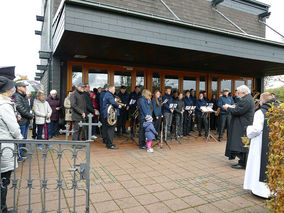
x,y
67,106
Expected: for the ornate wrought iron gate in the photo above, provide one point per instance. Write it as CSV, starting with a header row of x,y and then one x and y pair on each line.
x,y
59,171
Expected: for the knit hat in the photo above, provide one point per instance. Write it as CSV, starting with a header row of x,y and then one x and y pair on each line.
x,y
149,118
6,84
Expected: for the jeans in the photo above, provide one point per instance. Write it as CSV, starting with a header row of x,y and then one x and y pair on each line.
x,y
202,119
4,190
39,131
54,129
142,139
179,124
95,129
24,132
157,124
167,124
186,123
225,120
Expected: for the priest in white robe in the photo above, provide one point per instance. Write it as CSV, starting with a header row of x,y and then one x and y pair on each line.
x,y
255,176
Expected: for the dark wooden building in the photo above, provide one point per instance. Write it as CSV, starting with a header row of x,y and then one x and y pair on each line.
x,y
200,44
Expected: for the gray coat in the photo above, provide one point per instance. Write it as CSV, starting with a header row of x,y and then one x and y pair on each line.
x,y
9,129
78,105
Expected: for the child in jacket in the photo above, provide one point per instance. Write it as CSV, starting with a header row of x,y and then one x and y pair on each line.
x,y
150,132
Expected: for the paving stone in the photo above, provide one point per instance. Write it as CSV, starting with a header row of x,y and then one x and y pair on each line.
x,y
176,204
164,195
127,203
208,208
158,208
120,193
106,206
146,199
137,209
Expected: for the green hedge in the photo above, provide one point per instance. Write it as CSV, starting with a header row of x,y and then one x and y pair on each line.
x,y
279,93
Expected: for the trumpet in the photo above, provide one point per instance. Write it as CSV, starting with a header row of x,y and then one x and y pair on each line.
x,y
118,100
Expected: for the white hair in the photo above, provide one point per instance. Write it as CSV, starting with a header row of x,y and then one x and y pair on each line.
x,y
243,89
53,92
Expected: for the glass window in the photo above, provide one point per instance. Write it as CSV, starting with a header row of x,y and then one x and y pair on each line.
x,y
156,81
97,78
250,85
239,83
189,83
171,81
202,84
214,86
76,75
226,84
140,79
122,78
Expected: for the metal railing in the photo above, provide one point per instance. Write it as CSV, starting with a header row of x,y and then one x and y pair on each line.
x,y
74,179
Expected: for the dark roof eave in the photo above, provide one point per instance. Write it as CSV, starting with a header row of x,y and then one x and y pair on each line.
x,y
171,21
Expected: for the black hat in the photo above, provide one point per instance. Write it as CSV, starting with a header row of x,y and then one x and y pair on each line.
x,y
123,87
8,72
21,84
81,85
105,86
6,84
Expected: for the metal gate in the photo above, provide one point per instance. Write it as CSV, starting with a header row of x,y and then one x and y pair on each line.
x,y
52,178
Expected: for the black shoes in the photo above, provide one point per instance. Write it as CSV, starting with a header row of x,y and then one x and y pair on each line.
x,y
220,139
238,166
142,147
199,134
112,147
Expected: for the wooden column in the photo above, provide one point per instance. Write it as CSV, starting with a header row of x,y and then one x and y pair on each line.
x,y
218,87
209,86
197,86
162,83
111,76
180,83
133,80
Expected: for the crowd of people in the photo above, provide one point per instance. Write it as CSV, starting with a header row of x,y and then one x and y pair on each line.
x,y
156,116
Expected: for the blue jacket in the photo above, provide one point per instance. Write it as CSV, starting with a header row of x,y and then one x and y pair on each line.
x,y
187,101
166,106
200,103
108,99
193,98
133,96
144,108
157,110
150,131
124,97
102,95
225,100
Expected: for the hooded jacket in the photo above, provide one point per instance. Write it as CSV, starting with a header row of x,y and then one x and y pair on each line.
x,y
150,131
9,129
42,110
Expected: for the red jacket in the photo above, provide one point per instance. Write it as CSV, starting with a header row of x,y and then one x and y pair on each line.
x,y
95,104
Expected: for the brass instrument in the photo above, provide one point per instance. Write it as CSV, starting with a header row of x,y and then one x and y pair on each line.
x,y
112,112
217,112
135,114
256,101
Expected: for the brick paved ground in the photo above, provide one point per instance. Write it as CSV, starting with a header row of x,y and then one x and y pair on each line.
x,y
191,177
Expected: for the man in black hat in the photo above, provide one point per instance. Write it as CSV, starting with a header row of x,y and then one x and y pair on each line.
x,y
24,110
123,112
79,109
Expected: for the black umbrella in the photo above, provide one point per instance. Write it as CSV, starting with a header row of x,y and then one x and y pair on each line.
x,y
8,72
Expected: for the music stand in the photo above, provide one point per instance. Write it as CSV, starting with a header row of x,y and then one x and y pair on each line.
x,y
209,109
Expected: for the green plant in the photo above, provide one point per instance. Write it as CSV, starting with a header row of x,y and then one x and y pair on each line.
x,y
279,93
275,168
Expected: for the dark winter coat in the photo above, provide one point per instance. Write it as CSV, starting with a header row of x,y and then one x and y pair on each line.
x,y
102,95
242,116
215,104
54,103
108,100
123,97
78,105
150,131
23,108
193,98
187,101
